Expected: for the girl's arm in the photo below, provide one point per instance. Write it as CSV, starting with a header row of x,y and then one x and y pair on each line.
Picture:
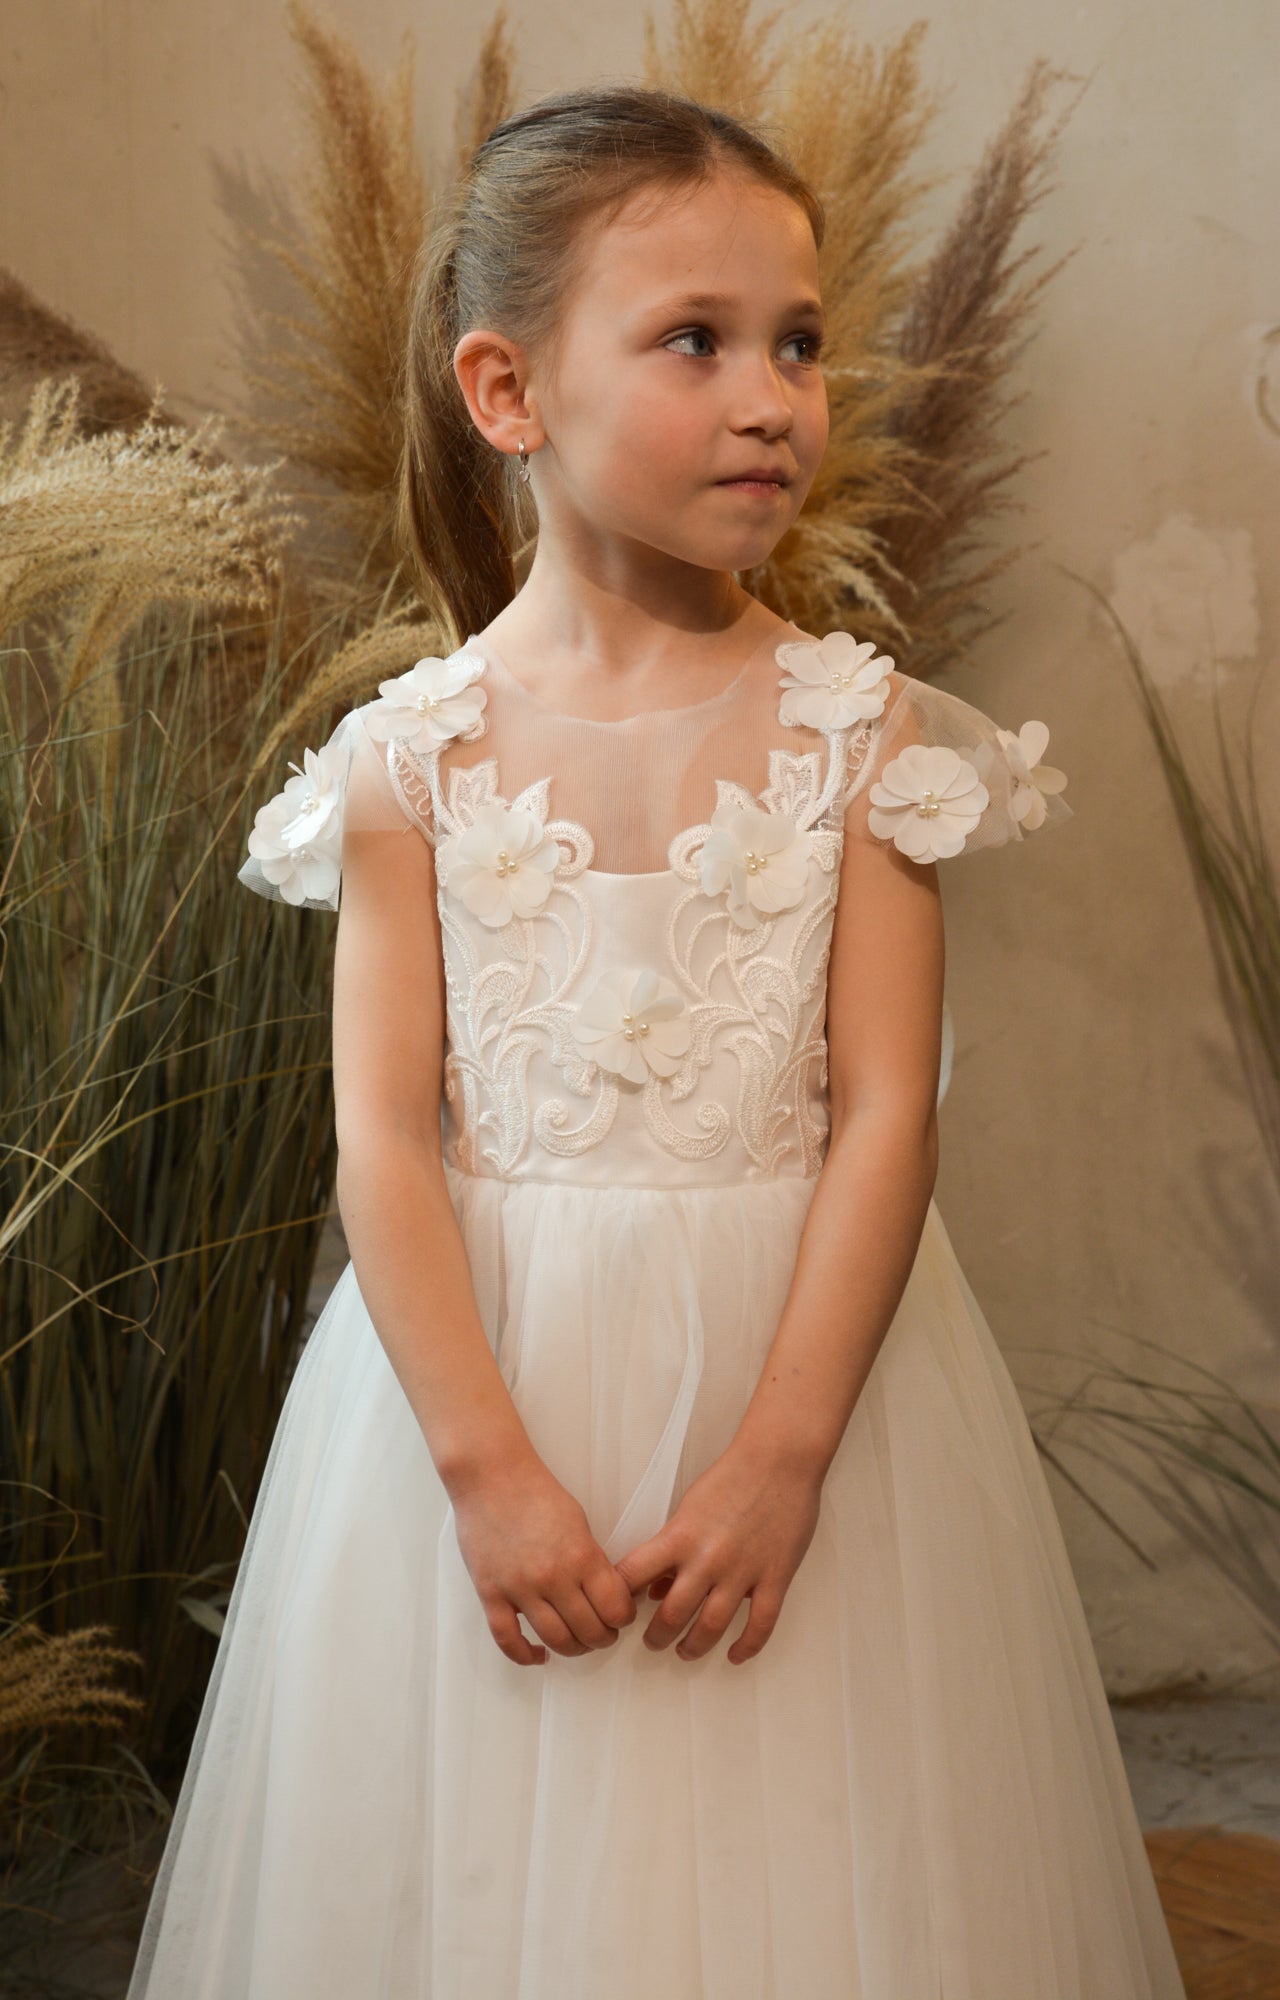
x,y
743,1526
863,1226
525,1539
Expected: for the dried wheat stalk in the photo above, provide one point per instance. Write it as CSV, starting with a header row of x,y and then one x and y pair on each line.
x,y
47,1679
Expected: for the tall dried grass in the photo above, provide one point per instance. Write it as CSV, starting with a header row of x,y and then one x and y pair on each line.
x,y
1204,1457
49,1684
166,1160
166,1144
890,540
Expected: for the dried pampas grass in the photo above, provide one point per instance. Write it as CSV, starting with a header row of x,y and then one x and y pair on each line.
x,y
330,369
490,93
95,531
891,539
716,55
966,324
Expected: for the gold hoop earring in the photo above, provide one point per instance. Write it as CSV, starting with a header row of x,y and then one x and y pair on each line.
x,y
524,474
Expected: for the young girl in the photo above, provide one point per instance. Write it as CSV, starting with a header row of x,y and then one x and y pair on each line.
x,y
653,1588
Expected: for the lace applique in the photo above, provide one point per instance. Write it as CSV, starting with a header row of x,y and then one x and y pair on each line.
x,y
733,993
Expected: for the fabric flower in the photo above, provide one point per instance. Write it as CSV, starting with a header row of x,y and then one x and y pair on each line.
x,y
430,705
1031,778
834,683
928,800
501,865
759,857
634,1023
297,835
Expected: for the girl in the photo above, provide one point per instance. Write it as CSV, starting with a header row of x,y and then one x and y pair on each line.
x,y
653,1588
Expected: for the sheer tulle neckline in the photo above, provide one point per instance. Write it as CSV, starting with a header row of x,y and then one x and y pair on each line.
x,y
497,665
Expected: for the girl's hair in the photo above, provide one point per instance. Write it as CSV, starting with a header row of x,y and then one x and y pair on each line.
x,y
504,248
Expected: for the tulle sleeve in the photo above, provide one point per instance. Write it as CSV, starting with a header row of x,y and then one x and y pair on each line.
x,y
370,773
295,847
940,778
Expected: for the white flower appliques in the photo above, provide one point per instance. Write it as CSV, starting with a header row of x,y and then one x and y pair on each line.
x,y
634,1024
1031,778
833,683
927,801
431,704
501,865
297,835
759,857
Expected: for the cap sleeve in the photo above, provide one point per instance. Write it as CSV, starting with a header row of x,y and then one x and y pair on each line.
x,y
940,778
367,776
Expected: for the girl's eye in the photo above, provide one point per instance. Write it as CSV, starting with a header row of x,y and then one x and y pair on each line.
x,y
694,333
815,343
700,333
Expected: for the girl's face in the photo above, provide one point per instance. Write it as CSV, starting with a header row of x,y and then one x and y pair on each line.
x,y
688,358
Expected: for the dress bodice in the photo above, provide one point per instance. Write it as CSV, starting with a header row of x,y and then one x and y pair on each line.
x,y
651,1025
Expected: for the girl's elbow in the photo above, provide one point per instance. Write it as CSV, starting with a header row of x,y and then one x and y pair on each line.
x,y
385,1130
902,1120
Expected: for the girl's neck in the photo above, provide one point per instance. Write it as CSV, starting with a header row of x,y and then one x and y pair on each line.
x,y
626,663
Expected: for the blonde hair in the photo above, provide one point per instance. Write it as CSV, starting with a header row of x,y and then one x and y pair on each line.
x,y
503,251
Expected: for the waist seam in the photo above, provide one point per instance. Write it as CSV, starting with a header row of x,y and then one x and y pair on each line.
x,y
626,1187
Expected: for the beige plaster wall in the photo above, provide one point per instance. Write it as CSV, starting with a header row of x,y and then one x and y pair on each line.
x,y
1102,1171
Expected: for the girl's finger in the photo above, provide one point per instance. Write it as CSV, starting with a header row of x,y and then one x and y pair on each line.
x,y
647,1560
713,1621
582,1619
679,1605
551,1628
509,1639
609,1596
760,1623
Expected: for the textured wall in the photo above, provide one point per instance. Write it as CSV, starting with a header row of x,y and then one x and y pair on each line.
x,y
1102,1173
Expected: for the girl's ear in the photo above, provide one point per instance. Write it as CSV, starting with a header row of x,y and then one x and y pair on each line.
x,y
492,372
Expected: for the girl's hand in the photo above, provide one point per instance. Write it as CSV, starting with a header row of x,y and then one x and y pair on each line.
x,y
740,1530
528,1548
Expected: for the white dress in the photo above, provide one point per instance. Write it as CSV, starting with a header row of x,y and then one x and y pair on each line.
x,y
914,1791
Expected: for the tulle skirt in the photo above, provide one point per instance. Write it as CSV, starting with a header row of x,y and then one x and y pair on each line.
x,y
913,1792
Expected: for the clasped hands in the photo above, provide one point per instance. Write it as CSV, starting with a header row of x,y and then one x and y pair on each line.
x,y
740,1531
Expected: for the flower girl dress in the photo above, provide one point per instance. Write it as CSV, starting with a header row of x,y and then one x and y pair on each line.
x,y
914,1791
